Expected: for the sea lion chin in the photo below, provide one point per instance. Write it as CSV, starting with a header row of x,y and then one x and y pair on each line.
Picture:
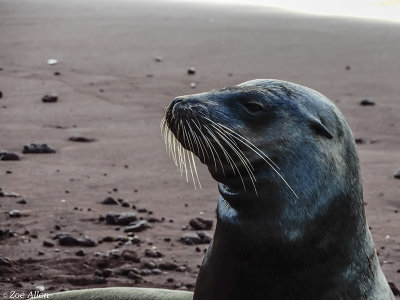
x,y
290,216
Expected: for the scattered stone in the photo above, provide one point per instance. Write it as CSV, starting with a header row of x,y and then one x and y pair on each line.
x,y
145,272
366,102
177,285
108,239
158,59
133,275
348,68
103,263
5,233
81,139
101,218
201,224
153,253
52,61
125,204
1,94
21,201
142,210
150,265
37,149
193,85
153,220
168,266
397,175
137,226
191,71
48,244
106,273
359,141
40,288
80,253
190,286
170,279
40,252
120,219
156,271
394,289
15,213
133,241
64,239
4,261
195,238
85,242
130,255
50,98
57,73
8,156
109,201
181,269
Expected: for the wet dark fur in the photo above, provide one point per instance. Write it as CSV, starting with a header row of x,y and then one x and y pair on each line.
x,y
275,245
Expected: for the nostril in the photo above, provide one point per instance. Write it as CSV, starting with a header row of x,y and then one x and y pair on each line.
x,y
176,101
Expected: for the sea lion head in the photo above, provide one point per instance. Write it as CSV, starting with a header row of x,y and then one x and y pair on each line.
x,y
280,152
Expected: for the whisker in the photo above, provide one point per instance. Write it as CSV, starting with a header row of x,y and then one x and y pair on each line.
x,y
245,141
243,159
273,168
228,157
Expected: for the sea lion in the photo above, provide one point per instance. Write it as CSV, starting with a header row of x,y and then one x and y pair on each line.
x,y
290,215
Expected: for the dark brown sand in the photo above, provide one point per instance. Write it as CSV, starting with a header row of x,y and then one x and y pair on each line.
x,y
105,52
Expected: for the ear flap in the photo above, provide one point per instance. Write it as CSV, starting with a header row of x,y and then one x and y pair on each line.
x,y
320,128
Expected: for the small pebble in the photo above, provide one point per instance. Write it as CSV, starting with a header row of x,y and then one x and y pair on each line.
x,y
191,71
37,149
80,253
366,102
109,201
8,156
397,175
50,98
48,244
15,213
153,253
137,226
21,201
201,224
81,139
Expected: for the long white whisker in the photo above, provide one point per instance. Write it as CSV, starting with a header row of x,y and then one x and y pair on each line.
x,y
228,157
246,142
242,158
273,168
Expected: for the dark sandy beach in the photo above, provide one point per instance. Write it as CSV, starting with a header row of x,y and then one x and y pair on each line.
x,y
111,88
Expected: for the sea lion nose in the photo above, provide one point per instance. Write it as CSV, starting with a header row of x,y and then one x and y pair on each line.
x,y
176,101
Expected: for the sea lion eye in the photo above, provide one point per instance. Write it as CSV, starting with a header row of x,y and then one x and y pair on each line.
x,y
253,107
